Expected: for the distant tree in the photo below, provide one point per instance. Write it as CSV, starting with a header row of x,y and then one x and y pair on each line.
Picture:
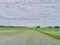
x,y
50,27
2,26
56,26
38,26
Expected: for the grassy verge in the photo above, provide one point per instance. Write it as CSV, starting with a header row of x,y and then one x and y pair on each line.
x,y
53,32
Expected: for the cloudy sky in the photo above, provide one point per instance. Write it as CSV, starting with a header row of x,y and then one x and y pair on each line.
x,y
30,12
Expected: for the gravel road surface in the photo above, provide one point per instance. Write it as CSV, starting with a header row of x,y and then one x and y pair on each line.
x,y
26,38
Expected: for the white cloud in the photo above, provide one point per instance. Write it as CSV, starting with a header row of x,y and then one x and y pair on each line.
x,y
12,1
25,22
29,10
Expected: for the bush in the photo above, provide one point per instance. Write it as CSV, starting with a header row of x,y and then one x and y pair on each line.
x,y
38,26
56,26
50,27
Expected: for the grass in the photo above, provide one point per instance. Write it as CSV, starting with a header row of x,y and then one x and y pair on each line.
x,y
53,32
2,29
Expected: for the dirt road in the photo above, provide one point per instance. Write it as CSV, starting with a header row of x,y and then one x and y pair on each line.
x,y
26,38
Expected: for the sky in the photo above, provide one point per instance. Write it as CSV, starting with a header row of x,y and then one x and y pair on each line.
x,y
30,12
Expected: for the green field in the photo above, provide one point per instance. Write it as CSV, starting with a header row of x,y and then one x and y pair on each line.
x,y
53,32
2,29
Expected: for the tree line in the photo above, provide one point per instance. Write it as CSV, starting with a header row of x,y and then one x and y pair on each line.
x,y
53,26
2,26
49,27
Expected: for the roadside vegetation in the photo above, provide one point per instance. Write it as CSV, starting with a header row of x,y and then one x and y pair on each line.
x,y
50,31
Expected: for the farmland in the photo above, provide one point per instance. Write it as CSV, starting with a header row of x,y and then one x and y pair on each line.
x,y
26,37
3,29
53,32
29,36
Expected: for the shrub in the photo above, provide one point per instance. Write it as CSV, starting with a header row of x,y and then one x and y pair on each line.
x,y
56,26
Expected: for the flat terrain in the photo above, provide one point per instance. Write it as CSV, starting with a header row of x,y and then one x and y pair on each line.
x,y
26,38
53,32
